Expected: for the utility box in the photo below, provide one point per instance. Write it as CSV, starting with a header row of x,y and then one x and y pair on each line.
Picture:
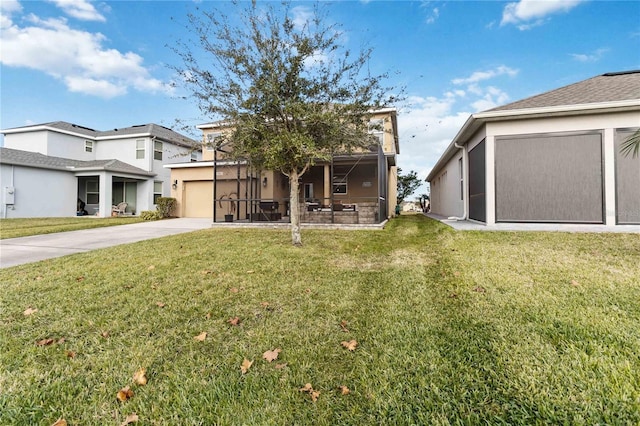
x,y
9,195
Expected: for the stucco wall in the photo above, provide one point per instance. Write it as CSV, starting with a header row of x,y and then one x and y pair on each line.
x,y
31,141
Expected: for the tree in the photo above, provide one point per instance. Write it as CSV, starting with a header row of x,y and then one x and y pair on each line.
x,y
291,92
407,184
631,145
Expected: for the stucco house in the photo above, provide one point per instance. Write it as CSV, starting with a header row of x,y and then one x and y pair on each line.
x,y
46,168
554,157
359,188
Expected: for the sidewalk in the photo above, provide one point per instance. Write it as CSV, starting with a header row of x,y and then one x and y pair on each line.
x,y
18,251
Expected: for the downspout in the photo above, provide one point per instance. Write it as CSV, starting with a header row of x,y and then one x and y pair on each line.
x,y
464,202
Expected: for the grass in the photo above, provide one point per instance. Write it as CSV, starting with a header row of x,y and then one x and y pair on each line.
x,y
13,228
452,328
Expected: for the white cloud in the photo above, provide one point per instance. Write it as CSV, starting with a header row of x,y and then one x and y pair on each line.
x,y
526,14
301,16
486,75
75,57
435,13
491,98
589,57
7,8
79,9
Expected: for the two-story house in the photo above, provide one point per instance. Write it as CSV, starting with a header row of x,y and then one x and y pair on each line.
x,y
46,168
351,188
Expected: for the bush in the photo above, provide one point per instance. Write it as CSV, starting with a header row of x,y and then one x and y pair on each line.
x,y
165,206
149,215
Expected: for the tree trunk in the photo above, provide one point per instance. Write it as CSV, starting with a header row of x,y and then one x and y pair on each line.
x,y
294,206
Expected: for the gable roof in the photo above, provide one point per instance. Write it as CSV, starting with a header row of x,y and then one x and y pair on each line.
x,y
615,91
609,87
143,130
34,159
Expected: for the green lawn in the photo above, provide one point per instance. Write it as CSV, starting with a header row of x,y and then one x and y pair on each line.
x,y
451,328
12,228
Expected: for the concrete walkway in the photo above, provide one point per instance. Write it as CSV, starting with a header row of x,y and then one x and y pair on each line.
x,y
18,251
465,225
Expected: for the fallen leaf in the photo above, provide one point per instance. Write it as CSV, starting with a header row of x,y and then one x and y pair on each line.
x,y
124,394
264,304
233,290
479,289
309,389
61,340
344,390
151,268
60,422
154,287
39,277
343,325
308,290
351,345
245,366
131,418
250,272
271,355
140,377
70,354
206,272
453,295
281,366
80,278
105,334
44,342
234,321
200,337
456,274
160,304
314,395
575,283
208,316
29,311
306,388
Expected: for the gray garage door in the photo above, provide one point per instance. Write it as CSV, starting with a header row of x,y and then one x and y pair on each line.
x,y
627,183
549,178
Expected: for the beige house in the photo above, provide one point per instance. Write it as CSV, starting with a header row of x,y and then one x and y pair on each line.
x,y
356,188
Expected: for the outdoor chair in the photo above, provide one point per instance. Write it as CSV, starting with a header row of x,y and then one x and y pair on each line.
x,y
119,209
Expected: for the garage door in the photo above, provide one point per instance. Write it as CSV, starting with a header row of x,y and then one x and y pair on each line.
x,y
549,178
198,199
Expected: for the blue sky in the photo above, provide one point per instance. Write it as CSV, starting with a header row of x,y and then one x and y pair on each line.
x,y
105,64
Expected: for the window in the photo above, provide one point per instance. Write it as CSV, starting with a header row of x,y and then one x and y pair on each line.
x,y
308,191
157,150
93,191
461,178
340,184
194,156
140,149
88,146
376,128
211,137
157,191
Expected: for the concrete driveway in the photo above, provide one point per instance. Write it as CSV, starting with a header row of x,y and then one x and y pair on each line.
x,y
17,251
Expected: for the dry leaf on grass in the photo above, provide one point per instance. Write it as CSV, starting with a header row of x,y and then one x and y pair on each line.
x,y
271,355
281,366
264,304
140,377
60,422
250,272
344,390
160,304
200,337
343,325
208,316
245,366
124,394
479,289
70,354
233,290
151,268
131,418
45,342
29,311
234,321
351,345
80,278
105,334
309,389
206,272
575,283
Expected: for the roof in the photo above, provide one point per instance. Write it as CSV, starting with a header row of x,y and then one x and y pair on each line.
x,y
614,91
34,159
147,130
609,87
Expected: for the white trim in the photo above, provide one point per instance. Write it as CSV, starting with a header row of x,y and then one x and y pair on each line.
x,y
558,108
609,175
202,164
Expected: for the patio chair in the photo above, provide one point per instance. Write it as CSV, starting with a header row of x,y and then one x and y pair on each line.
x,y
119,209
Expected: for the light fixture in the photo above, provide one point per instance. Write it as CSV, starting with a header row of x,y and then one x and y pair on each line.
x,y
175,184
264,181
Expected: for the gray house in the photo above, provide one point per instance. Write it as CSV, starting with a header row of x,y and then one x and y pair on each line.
x,y
46,168
554,158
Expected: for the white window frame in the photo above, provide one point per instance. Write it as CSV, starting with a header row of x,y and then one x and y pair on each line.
x,y
88,146
92,193
157,150
339,181
211,137
376,128
140,149
157,194
194,156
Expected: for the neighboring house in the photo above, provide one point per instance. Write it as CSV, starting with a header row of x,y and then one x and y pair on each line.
x,y
356,188
45,168
554,157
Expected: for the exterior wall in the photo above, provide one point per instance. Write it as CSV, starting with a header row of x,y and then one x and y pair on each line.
x,y
445,190
125,151
38,192
392,191
31,141
68,146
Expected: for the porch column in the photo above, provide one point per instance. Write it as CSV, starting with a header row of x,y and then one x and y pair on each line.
x,y
327,185
105,204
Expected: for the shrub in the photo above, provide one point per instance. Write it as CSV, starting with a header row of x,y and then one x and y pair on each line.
x,y
165,206
149,215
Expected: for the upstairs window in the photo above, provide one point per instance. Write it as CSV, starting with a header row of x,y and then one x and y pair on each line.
x,y
157,150
140,149
194,156
88,146
376,128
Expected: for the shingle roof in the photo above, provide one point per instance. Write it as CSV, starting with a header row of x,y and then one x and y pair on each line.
x,y
34,159
610,87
